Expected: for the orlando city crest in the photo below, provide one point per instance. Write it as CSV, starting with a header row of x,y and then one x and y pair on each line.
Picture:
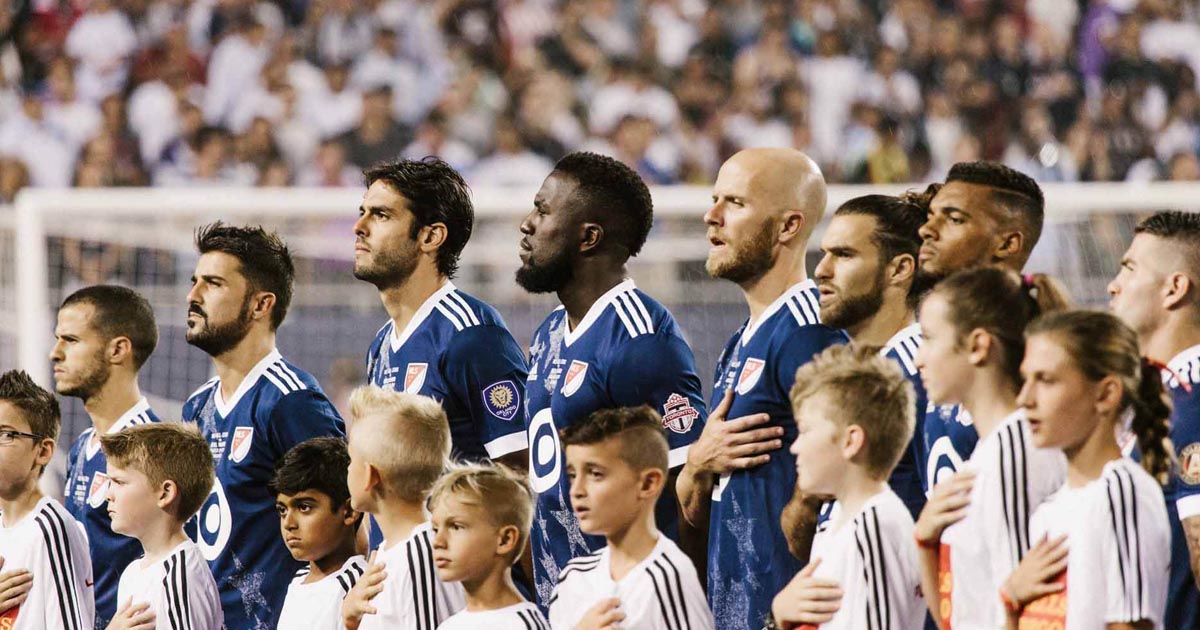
x,y
502,399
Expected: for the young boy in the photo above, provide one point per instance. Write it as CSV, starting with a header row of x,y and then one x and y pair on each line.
x,y
37,534
159,476
481,519
399,446
617,464
854,412
318,526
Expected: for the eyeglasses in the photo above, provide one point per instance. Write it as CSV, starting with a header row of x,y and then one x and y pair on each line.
x,y
9,436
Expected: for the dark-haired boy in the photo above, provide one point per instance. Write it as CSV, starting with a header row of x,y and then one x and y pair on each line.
x,y
103,336
37,535
318,526
256,409
617,464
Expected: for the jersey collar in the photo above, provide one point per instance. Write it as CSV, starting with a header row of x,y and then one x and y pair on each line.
x,y
793,291
594,312
1182,362
248,383
126,419
397,340
912,331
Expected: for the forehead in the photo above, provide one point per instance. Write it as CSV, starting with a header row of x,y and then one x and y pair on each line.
x,y
817,406
381,194
735,179
75,317
964,196
452,504
310,495
13,417
933,309
849,230
556,189
1154,252
1043,352
219,264
606,452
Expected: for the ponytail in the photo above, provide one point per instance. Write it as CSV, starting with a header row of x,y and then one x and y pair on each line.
x,y
1151,423
1046,293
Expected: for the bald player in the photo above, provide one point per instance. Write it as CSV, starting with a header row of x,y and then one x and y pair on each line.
x,y
737,477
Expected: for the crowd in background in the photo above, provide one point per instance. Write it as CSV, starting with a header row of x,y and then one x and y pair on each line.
x,y
306,92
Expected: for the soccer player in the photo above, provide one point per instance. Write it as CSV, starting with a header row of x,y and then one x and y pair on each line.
x,y
415,219
1105,542
481,516
608,345
975,527
318,526
36,533
617,465
399,446
253,412
855,415
766,203
103,337
1157,293
160,474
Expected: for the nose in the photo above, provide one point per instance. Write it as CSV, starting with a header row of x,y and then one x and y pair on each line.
x,y
928,231
713,216
439,538
577,488
526,226
1113,288
360,227
824,270
194,294
919,356
288,519
1025,396
56,353
795,448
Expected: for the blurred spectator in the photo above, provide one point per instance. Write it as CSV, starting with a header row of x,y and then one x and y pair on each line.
x,y
211,165
511,163
378,137
79,121
433,139
330,169
45,149
102,41
13,177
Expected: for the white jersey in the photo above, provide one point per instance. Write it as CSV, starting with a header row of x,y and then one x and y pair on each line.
x,y
661,593
319,604
874,559
413,598
179,589
1119,551
50,544
979,552
523,616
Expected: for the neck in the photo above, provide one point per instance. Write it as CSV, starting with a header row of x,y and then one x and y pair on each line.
x,y
1085,462
21,504
114,399
1169,340
403,300
856,490
589,284
233,366
892,317
989,402
762,291
160,538
631,545
397,519
493,591
319,569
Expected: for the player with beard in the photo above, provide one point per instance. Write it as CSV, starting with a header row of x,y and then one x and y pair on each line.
x,y
415,219
103,336
253,412
609,344
738,477
1157,293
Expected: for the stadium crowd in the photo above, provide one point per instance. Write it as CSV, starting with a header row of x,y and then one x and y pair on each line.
x,y
291,92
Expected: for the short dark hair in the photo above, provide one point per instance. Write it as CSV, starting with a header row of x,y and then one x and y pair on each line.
x,y
315,464
898,223
1012,189
612,193
265,259
162,451
436,193
1182,229
640,429
120,312
38,406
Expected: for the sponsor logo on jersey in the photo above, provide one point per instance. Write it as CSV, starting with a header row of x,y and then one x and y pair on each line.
x,y
1189,464
502,399
414,377
678,414
575,376
8,618
98,490
751,371
240,447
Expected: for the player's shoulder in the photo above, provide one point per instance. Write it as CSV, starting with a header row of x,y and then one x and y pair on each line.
x,y
461,311
287,378
903,346
885,518
381,337
523,616
635,314
669,560
198,397
485,313
1183,372
348,575
185,570
578,568
59,529
1128,488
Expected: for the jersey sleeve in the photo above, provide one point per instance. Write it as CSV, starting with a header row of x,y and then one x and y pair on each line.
x,y
491,384
1128,553
65,571
799,348
189,602
660,371
302,415
1185,434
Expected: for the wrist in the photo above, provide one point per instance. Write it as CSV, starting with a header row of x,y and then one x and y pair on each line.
x,y
932,543
1011,605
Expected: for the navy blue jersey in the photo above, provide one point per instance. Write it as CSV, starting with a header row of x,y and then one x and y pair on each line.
x,y
748,558
908,477
1183,492
276,407
84,497
627,351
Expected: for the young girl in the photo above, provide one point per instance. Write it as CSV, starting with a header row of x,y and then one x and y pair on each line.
x,y
974,529
1083,371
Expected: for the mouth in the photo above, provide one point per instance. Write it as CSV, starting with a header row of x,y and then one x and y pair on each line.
x,y
292,541
1035,424
825,291
715,243
441,563
926,252
582,512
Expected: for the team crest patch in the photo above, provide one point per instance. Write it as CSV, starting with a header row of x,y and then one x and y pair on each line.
x,y
502,399
678,414
1189,464
575,375
98,490
414,377
240,446
748,378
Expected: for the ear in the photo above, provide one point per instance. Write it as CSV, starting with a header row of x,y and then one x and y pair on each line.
x,y
120,350
374,479
168,491
651,483
1176,289
264,302
979,346
590,237
1108,396
853,440
793,226
348,514
431,237
1010,246
509,539
901,269
45,452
